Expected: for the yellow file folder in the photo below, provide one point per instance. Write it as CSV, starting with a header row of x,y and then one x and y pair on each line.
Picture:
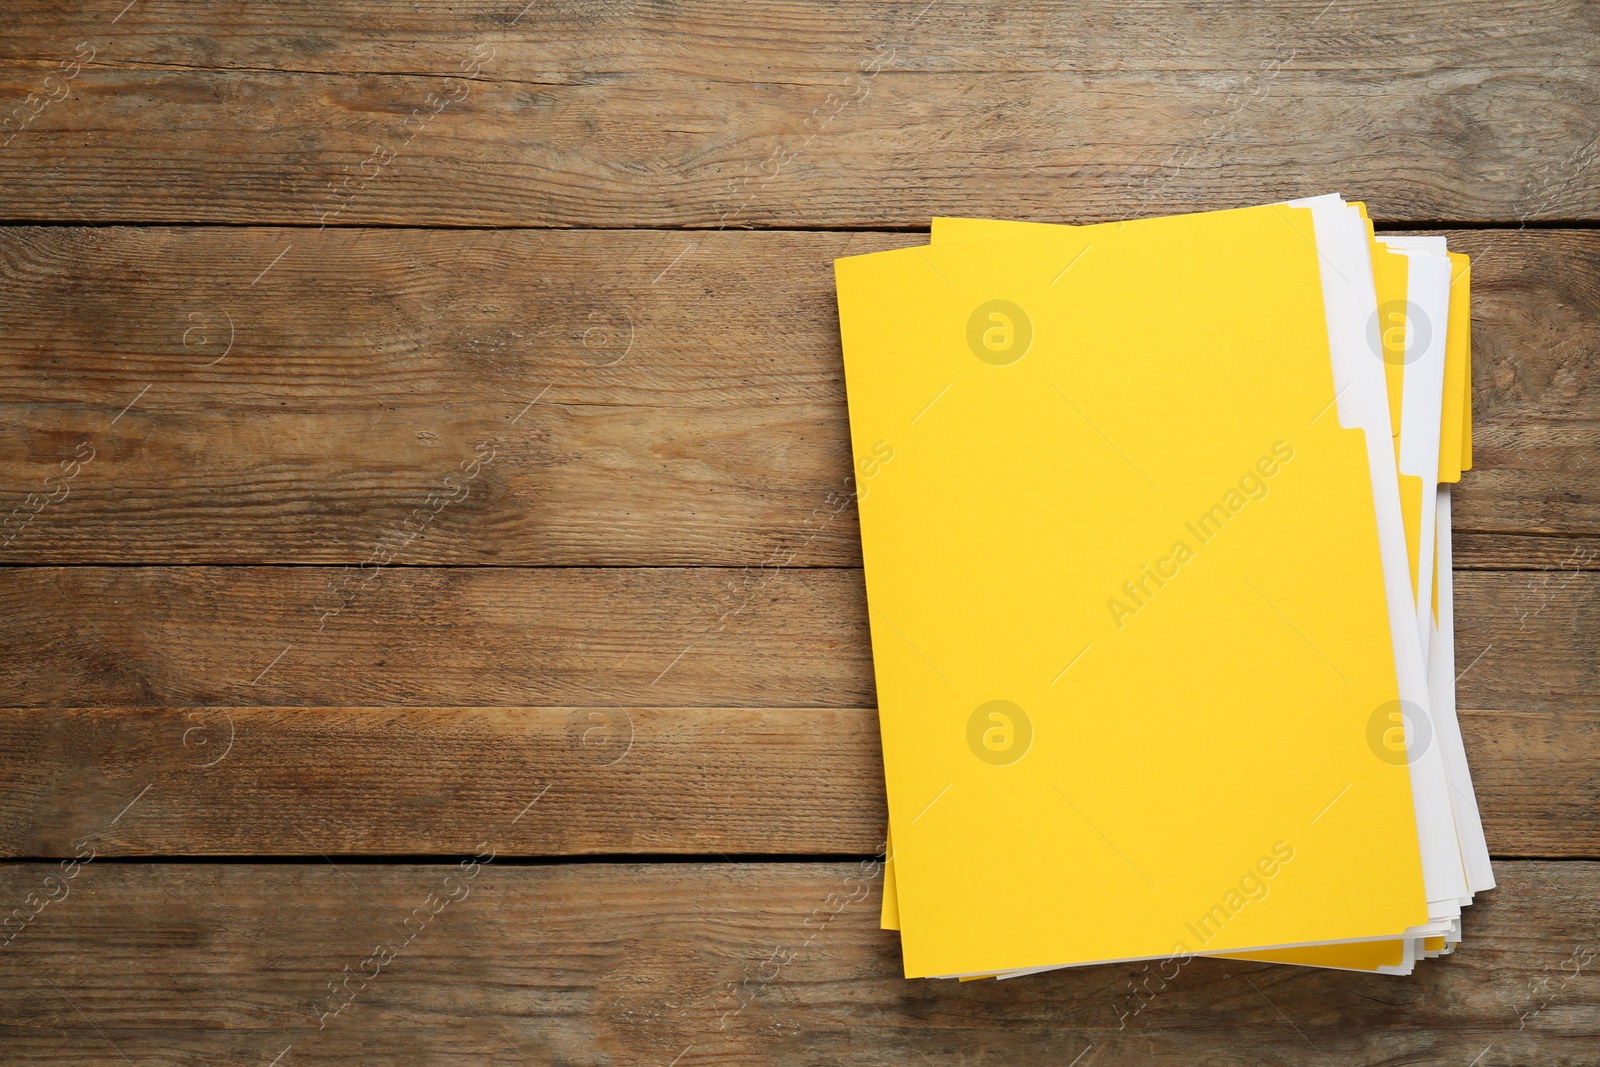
x,y
1125,582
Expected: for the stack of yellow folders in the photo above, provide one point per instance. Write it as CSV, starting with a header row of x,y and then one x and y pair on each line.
x,y
1155,522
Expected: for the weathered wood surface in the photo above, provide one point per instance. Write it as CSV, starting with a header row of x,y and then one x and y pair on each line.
x,y
576,637
425,781
343,781
686,392
635,625
765,114
723,964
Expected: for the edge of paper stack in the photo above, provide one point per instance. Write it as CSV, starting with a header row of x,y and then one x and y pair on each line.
x,y
1156,530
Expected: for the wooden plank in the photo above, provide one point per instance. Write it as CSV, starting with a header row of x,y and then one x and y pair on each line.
x,y
342,781
418,637
763,114
687,397
698,419
723,964
575,637
1551,556
1529,393
425,781
1537,778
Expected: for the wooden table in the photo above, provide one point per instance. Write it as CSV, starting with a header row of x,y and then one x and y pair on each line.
x,y
438,610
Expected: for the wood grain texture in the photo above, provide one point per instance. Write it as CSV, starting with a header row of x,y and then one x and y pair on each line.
x,y
748,963
1537,777
428,781
410,636
638,414
404,777
626,617
343,781
686,391
764,114
575,637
